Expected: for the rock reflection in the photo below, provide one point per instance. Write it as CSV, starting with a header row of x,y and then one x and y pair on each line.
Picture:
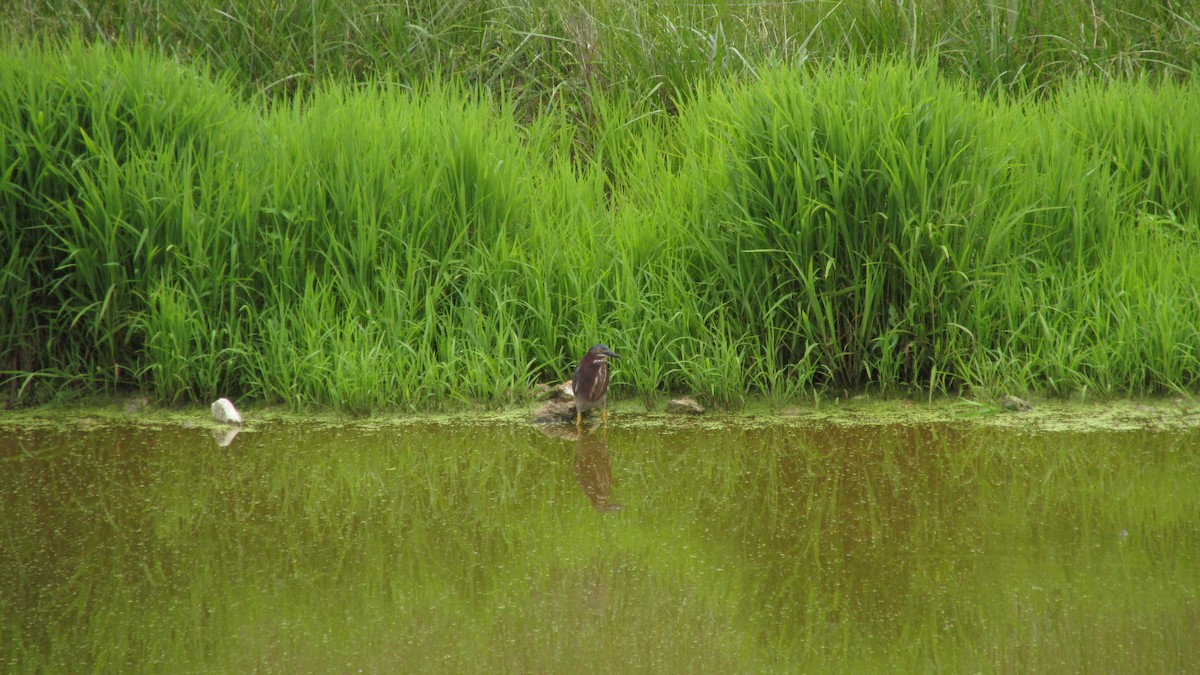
x,y
593,470
224,437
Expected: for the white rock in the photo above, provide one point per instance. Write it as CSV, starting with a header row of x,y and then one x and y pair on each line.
x,y
224,412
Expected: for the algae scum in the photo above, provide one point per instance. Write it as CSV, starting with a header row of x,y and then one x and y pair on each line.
x,y
949,542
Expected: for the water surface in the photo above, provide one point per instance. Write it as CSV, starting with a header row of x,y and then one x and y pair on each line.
x,y
498,548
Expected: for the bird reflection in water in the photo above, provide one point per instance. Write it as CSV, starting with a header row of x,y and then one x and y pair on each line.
x,y
593,470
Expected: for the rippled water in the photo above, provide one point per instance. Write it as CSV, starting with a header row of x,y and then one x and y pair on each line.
x,y
499,548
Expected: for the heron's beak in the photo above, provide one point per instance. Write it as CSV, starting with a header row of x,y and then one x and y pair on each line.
x,y
612,354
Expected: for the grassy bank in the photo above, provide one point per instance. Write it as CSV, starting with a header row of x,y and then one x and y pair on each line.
x,y
852,224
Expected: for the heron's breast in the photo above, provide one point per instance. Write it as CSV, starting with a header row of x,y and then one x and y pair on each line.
x,y
600,384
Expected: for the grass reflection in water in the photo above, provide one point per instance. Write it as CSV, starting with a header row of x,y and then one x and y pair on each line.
x,y
496,547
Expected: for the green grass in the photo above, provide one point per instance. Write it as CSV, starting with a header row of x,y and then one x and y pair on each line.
x,y
854,224
567,51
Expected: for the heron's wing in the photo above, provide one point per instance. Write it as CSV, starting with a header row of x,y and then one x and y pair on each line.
x,y
575,378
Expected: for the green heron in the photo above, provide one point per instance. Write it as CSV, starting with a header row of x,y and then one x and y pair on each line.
x,y
590,383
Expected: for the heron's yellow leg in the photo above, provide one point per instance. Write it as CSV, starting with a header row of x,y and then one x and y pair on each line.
x,y
579,422
604,415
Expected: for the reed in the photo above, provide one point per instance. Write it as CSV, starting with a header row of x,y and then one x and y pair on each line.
x,y
851,225
568,50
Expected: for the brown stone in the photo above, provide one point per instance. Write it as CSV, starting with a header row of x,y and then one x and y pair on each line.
x,y
555,411
555,392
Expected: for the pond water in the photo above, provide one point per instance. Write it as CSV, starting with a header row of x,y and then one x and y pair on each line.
x,y
495,547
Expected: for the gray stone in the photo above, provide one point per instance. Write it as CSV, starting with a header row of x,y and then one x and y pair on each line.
x,y
136,405
223,412
684,406
1014,404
